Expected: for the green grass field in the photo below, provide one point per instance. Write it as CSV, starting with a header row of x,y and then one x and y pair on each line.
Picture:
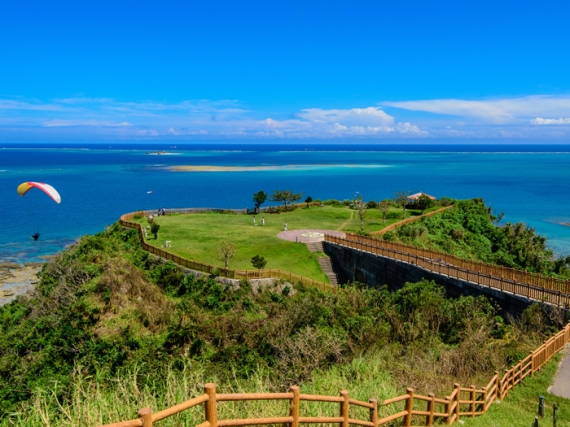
x,y
198,236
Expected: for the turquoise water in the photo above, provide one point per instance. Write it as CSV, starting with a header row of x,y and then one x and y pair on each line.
x,y
97,184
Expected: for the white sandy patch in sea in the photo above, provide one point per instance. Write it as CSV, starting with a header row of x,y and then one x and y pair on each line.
x,y
203,168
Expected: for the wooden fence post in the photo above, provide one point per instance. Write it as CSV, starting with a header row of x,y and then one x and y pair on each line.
x,y
409,408
447,406
344,408
374,412
430,409
472,399
294,406
145,414
457,398
210,404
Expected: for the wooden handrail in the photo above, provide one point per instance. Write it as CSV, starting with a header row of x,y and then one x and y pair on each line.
x,y
234,274
496,389
426,259
455,404
409,220
473,267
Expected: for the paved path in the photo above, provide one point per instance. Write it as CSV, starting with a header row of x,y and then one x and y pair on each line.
x,y
561,386
308,235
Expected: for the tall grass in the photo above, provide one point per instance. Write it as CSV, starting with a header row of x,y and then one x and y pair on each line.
x,y
93,403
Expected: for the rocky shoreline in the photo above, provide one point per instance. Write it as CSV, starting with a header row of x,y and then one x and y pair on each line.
x,y
17,279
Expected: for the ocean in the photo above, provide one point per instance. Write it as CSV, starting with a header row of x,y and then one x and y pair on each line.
x,y
98,183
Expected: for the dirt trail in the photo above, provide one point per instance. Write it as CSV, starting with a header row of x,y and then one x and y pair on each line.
x,y
347,221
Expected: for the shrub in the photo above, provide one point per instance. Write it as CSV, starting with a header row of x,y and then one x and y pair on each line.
x,y
154,229
258,262
371,205
457,233
444,201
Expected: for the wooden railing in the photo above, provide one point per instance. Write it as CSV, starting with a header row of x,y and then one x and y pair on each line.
x,y
270,273
187,211
530,285
409,220
411,408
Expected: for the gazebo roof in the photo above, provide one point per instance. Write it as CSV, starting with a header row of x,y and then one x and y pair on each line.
x,y
418,195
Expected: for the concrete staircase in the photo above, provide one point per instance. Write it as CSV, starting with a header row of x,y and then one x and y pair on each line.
x,y
327,267
315,247
335,275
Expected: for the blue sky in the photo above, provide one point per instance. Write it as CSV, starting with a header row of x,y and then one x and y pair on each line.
x,y
211,70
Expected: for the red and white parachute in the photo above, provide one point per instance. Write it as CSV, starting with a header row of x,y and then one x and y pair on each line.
x,y
46,188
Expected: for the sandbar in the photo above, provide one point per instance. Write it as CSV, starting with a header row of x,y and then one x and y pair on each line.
x,y
204,168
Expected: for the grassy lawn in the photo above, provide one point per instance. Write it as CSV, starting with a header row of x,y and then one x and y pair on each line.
x,y
198,236
521,405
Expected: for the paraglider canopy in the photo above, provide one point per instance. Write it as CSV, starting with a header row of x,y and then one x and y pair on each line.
x,y
46,188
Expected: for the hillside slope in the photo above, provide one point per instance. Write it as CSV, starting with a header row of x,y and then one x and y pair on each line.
x,y
106,312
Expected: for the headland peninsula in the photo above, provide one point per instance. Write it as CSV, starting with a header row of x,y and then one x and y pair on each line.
x,y
109,322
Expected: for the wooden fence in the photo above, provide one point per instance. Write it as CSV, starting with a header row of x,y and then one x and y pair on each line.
x,y
188,211
270,273
409,220
411,408
524,283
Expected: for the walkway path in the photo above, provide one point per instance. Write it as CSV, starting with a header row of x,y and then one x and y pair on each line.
x,y
309,235
561,386
314,241
347,221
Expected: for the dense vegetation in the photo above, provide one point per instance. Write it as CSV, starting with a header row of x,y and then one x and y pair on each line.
x,y
105,310
468,230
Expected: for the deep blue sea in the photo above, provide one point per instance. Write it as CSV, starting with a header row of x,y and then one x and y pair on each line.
x,y
97,183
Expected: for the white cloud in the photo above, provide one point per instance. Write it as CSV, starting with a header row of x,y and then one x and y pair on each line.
x,y
507,110
541,121
371,121
370,116
196,118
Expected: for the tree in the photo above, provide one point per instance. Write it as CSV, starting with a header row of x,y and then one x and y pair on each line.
x,y
424,202
259,198
308,200
226,251
384,206
360,207
495,218
154,227
258,262
402,199
286,197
